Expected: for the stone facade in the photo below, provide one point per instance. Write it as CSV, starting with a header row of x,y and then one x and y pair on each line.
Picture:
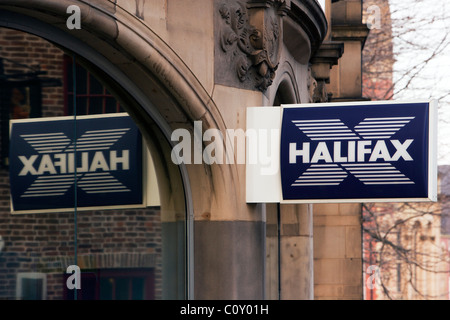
x,y
171,70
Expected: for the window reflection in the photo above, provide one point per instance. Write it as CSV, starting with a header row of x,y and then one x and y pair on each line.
x,y
124,254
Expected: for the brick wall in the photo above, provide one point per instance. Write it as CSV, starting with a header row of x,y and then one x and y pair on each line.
x,y
44,242
21,49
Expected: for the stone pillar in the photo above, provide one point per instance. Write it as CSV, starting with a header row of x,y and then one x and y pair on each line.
x,y
337,251
229,260
229,234
296,252
337,227
347,28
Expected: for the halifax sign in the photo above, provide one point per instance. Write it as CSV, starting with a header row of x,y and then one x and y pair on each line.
x,y
57,164
358,152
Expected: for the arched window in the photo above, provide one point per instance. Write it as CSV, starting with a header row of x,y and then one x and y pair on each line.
x,y
134,252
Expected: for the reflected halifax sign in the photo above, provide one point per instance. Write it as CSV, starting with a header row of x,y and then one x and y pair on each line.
x,y
57,163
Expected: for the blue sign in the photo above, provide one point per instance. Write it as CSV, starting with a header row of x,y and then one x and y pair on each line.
x,y
357,152
57,164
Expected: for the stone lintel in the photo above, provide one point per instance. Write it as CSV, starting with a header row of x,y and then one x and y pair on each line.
x,y
326,57
350,32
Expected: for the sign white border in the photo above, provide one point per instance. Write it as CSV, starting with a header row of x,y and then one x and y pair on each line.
x,y
262,187
267,189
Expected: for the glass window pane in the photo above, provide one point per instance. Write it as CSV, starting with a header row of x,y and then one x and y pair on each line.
x,y
32,289
138,288
95,105
95,86
106,288
69,78
122,288
81,85
111,105
82,105
70,104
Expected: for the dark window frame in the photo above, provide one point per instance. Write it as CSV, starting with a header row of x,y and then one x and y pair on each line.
x,y
92,280
85,95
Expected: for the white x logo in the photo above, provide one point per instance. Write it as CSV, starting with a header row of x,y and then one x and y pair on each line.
x,y
332,174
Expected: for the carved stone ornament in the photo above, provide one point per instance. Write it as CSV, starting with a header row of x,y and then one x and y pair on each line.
x,y
317,89
320,92
312,85
249,41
